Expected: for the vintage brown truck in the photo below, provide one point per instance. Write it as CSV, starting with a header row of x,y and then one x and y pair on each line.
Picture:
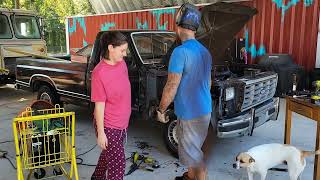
x,y
243,94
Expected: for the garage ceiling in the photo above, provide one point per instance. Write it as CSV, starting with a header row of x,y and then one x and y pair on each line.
x,y
111,6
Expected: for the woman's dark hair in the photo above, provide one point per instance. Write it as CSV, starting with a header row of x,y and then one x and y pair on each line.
x,y
113,38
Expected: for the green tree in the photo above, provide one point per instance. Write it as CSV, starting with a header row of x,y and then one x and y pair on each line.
x,y
7,4
53,13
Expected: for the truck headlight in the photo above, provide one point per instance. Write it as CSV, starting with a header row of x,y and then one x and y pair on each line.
x,y
229,93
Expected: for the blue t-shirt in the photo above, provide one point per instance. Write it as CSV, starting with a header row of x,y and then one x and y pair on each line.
x,y
193,61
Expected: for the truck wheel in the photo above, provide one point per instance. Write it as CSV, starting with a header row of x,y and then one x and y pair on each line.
x,y
57,172
46,94
170,135
39,173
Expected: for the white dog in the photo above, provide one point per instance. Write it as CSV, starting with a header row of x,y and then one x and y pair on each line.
x,y
261,158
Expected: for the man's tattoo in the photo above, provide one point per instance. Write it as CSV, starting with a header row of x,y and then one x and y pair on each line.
x,y
170,90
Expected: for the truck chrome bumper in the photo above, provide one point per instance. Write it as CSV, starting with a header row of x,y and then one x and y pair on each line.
x,y
244,124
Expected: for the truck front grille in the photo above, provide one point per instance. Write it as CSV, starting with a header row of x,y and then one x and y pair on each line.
x,y
258,91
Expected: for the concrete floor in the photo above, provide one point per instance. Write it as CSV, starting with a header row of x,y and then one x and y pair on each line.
x,y
221,156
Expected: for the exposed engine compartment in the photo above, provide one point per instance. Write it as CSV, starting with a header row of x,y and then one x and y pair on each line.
x,y
247,88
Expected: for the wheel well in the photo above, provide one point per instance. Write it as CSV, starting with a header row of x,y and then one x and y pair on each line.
x,y
37,84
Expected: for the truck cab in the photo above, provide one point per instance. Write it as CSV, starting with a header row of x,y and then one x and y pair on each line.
x,y
20,31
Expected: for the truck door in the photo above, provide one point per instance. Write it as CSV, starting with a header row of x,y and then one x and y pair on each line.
x,y
133,72
5,34
93,60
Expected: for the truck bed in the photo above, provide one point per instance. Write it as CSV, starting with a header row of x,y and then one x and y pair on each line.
x,y
66,77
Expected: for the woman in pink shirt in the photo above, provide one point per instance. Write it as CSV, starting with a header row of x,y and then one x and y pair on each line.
x,y
111,93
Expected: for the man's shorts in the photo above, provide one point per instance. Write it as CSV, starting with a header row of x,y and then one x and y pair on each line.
x,y
191,136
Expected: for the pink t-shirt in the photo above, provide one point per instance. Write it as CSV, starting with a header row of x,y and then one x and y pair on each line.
x,y
110,84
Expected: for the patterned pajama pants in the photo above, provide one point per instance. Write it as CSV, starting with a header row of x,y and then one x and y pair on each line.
x,y
112,160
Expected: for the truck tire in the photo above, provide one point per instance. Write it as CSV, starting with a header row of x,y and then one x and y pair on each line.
x,y
170,135
39,173
47,94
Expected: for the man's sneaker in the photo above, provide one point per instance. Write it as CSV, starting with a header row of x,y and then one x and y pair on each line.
x,y
183,177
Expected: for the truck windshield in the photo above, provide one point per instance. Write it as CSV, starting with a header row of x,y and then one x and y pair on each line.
x,y
153,46
5,32
26,27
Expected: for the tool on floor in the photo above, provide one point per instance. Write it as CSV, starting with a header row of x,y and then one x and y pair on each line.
x,y
138,159
315,96
3,154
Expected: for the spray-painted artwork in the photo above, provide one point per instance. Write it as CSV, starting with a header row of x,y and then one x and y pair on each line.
x,y
281,26
82,30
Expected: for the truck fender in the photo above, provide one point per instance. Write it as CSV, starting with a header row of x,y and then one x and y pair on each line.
x,y
41,78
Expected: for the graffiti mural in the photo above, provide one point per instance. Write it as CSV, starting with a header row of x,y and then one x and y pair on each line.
x,y
253,49
159,13
159,19
84,43
140,25
76,20
107,26
285,7
83,30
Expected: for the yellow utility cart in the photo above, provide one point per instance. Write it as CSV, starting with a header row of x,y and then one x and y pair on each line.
x,y
44,138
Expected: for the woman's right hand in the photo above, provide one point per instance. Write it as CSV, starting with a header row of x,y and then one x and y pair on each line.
x,y
102,140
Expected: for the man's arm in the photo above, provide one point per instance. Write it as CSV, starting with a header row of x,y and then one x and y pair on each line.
x,y
210,82
170,90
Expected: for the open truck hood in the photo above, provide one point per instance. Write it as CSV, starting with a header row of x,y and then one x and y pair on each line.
x,y
220,23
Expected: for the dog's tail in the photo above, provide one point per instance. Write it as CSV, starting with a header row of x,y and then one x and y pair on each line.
x,y
310,153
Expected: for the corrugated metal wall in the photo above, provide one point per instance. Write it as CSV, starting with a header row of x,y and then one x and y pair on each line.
x,y
288,26
109,6
82,30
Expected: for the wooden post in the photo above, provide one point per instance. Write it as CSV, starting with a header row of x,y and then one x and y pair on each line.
x,y
316,175
287,131
16,4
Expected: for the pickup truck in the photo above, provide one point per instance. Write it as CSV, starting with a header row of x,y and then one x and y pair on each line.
x,y
21,31
243,94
